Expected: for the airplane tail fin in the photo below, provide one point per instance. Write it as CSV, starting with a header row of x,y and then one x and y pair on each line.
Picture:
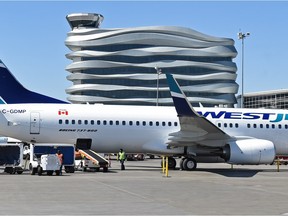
x,y
11,91
181,103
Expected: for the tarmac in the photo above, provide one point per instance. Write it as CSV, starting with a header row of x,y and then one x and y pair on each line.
x,y
143,189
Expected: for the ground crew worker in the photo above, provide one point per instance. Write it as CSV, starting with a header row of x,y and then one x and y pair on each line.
x,y
121,157
61,157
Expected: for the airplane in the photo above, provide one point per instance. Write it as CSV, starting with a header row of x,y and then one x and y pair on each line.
x,y
231,135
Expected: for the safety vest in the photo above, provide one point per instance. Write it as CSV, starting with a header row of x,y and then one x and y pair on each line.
x,y
121,155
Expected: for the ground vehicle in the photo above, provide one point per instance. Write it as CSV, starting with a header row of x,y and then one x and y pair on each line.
x,y
45,159
47,163
66,149
131,157
11,155
85,164
88,159
281,159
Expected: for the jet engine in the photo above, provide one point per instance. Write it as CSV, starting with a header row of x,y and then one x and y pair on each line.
x,y
249,151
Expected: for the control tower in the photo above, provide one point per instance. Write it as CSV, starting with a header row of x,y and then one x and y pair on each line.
x,y
85,20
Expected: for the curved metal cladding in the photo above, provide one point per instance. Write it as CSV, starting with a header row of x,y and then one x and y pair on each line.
x,y
117,66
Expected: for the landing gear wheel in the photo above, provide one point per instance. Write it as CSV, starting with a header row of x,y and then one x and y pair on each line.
x,y
189,164
171,163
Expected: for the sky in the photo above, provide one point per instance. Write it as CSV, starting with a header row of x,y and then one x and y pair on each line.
x,y
32,35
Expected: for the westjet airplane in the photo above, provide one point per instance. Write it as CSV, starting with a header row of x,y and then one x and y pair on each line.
x,y
235,136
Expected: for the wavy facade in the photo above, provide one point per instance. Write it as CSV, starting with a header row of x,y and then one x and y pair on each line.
x,y
117,66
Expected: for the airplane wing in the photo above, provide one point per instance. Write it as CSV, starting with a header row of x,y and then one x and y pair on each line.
x,y
195,129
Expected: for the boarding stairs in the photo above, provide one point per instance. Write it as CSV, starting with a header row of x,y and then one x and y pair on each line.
x,y
98,160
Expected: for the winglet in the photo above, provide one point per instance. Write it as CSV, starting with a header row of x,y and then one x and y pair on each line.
x,y
181,103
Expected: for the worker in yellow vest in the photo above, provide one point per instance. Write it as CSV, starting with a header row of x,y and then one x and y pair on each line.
x,y
121,157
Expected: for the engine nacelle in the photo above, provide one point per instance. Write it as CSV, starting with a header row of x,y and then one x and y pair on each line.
x,y
249,151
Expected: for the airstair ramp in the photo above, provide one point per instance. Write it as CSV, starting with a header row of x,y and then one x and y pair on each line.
x,y
95,158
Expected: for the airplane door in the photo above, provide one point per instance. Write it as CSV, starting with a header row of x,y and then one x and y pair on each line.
x,y
34,123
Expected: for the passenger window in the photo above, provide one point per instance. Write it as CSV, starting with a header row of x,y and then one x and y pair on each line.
x,y
137,123
254,125
66,121
86,122
163,124
169,124
175,124
286,126
144,123
60,121
236,125
130,123
157,123
219,125
261,125
98,122
111,122
151,123
123,122
279,126
79,122
273,126
225,125
73,122
267,125
230,125
92,122
104,122
117,122
248,125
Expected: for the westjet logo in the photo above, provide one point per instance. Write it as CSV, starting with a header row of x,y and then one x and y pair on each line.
x,y
62,112
271,117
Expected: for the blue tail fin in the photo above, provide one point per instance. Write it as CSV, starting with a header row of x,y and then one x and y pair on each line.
x,y
11,91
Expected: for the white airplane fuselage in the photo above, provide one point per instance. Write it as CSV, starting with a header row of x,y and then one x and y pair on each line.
x,y
137,129
65,123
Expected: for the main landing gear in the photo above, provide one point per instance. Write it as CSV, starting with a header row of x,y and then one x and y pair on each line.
x,y
171,162
188,164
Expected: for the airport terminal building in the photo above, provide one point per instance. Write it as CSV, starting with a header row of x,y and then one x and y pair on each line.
x,y
128,65
275,99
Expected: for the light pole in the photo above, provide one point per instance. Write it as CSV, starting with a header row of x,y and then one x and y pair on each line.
x,y
242,36
158,71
